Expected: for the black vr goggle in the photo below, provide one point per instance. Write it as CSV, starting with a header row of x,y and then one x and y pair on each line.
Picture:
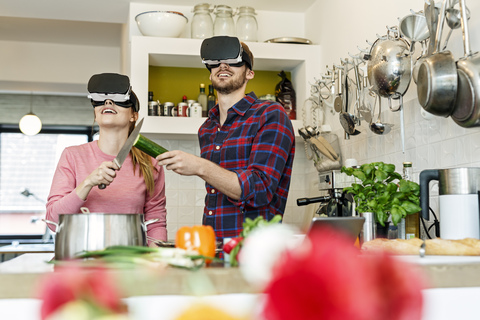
x,y
223,49
112,86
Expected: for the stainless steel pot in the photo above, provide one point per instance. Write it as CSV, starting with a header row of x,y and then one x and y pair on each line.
x,y
96,231
466,112
437,80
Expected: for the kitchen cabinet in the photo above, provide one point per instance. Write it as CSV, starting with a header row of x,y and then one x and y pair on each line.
x,y
303,61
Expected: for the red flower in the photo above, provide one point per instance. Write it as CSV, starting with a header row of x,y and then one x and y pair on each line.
x,y
72,283
327,278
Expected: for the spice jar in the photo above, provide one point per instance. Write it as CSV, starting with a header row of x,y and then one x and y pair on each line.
x,y
224,24
202,23
247,26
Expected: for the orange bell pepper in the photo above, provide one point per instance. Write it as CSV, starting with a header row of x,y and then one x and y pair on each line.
x,y
199,238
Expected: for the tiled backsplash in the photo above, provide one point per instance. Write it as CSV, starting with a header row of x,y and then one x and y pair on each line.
x,y
431,142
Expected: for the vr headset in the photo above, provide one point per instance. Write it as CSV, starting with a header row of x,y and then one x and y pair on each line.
x,y
223,49
112,86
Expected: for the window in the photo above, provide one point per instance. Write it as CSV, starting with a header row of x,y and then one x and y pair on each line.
x,y
27,165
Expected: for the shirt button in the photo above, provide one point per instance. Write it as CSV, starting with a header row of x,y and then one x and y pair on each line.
x,y
218,129
210,213
213,191
217,147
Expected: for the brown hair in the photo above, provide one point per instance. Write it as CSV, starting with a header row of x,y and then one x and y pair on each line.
x,y
247,50
145,163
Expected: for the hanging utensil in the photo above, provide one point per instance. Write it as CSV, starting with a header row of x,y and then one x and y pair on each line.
x,y
378,127
454,21
437,81
338,102
414,28
466,112
347,120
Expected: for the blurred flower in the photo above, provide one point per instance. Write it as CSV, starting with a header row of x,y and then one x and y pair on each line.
x,y
327,278
72,287
261,251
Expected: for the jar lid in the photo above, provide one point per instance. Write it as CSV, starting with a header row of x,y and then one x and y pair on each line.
x,y
246,9
223,8
201,7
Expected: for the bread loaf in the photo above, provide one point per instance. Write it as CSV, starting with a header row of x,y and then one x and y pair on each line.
x,y
463,247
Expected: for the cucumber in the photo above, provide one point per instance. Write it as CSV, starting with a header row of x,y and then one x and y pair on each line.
x,y
148,146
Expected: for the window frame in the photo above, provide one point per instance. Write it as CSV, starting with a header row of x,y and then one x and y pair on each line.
x,y
89,131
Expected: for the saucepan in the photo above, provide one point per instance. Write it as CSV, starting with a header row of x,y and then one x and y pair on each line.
x,y
437,78
80,232
466,112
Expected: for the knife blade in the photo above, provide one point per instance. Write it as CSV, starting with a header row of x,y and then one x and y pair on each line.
x,y
127,146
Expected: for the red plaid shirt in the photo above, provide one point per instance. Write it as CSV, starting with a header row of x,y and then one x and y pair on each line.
x,y
257,142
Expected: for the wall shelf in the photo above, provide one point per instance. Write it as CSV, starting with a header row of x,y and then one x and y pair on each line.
x,y
301,60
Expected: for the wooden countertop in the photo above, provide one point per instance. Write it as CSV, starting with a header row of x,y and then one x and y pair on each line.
x,y
19,277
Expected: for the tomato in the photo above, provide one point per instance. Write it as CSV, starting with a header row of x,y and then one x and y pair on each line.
x,y
199,238
228,247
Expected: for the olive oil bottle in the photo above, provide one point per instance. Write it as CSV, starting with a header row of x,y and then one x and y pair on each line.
x,y
412,221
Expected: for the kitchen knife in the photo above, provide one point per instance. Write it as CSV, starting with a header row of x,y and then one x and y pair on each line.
x,y
123,153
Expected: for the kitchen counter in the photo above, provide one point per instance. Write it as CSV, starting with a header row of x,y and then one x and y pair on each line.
x,y
20,276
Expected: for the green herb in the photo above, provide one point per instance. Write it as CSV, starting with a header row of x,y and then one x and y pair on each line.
x,y
378,192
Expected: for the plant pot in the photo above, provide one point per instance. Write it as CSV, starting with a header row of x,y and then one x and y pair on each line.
x,y
382,232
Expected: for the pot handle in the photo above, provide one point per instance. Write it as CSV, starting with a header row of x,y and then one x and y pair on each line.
x,y
146,223
51,222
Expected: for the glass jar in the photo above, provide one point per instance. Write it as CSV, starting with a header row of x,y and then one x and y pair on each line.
x,y
224,24
247,26
202,23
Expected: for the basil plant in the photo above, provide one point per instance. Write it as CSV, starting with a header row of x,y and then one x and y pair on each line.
x,y
382,191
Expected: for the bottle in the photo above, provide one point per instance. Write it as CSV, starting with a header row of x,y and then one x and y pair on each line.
x,y
224,24
202,23
247,24
211,99
412,221
152,105
202,99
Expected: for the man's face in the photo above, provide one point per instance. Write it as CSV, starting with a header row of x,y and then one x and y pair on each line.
x,y
226,79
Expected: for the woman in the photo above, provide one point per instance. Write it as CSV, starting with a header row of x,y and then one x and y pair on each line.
x,y
139,187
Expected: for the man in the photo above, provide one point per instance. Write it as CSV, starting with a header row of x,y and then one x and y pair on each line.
x,y
247,145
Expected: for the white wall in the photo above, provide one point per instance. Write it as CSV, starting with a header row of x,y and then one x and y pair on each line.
x,y
340,26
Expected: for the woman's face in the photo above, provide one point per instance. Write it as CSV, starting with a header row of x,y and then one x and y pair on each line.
x,y
110,114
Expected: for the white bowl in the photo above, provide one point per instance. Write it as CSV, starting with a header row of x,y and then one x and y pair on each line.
x,y
161,23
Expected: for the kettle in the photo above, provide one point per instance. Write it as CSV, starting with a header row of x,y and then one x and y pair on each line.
x,y
458,199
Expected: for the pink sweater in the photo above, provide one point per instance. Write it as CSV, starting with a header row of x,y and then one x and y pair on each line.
x,y
126,194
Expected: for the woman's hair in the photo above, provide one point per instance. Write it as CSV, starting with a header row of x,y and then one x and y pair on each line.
x,y
145,163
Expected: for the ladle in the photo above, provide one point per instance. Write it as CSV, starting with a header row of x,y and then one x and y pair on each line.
x,y
453,17
378,127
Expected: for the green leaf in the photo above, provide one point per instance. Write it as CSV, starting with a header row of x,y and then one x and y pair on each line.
x,y
359,174
410,207
381,175
389,168
396,215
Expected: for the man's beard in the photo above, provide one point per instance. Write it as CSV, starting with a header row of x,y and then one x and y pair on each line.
x,y
225,88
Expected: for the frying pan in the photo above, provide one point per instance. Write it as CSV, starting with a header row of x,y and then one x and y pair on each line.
x,y
466,112
437,77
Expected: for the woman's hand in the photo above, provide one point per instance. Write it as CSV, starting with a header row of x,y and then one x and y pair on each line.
x,y
104,174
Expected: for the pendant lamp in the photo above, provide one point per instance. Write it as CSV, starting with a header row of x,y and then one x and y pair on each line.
x,y
30,124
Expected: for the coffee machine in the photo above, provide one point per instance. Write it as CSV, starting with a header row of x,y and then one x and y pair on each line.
x,y
334,202
458,190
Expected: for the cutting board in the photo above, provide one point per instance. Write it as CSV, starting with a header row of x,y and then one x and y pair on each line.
x,y
428,260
